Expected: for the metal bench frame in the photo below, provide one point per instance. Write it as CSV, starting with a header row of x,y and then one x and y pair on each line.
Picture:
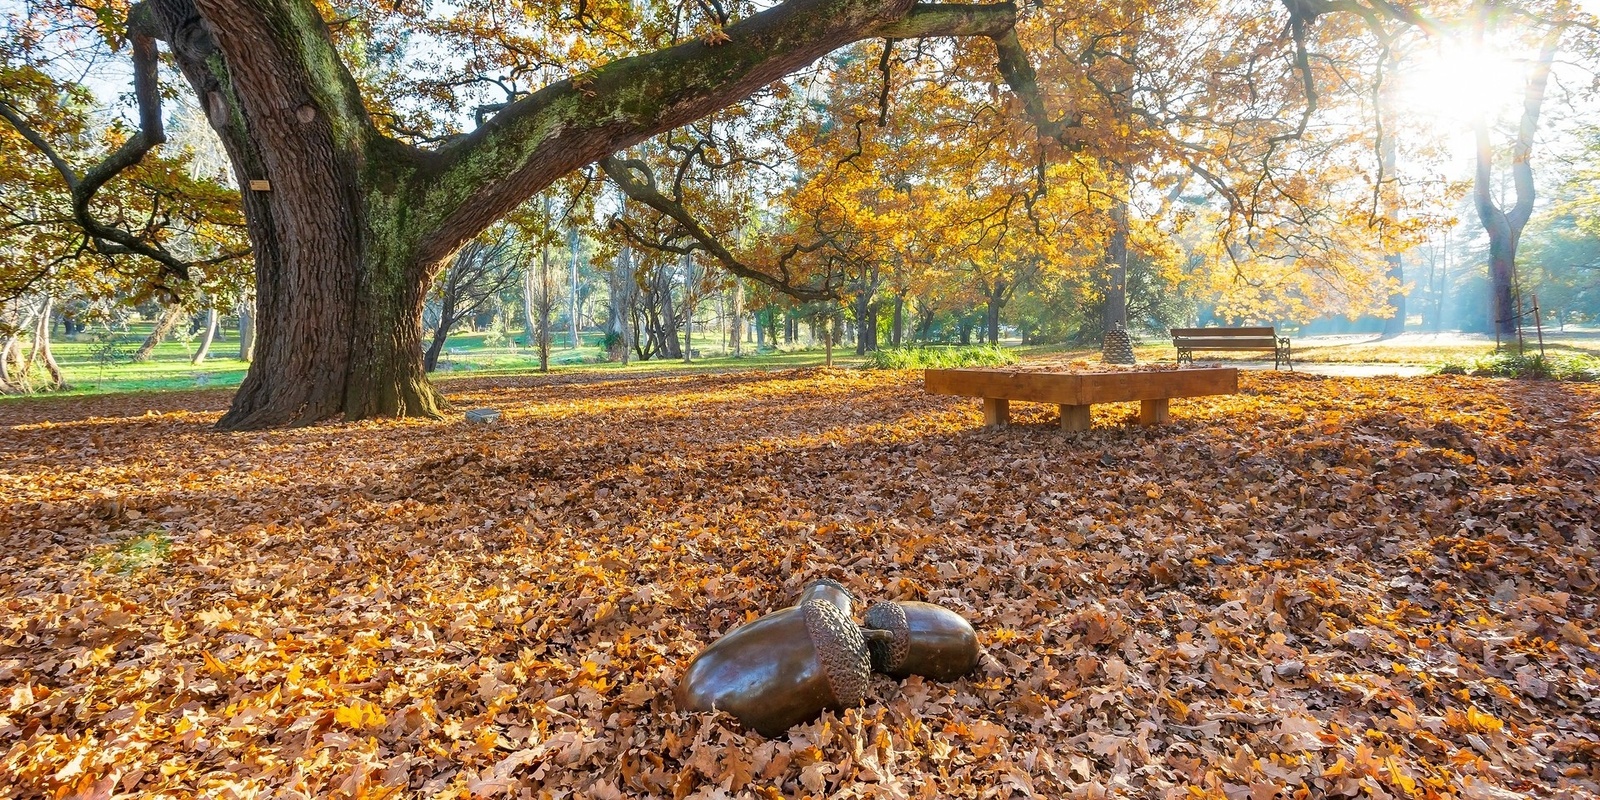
x,y
1188,340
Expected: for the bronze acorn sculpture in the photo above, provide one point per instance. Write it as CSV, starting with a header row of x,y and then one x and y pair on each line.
x,y
920,639
784,668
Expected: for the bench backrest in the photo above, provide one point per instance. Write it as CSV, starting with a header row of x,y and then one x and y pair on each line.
x,y
1224,333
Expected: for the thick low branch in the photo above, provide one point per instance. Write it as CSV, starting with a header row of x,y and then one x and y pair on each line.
x,y
568,124
110,239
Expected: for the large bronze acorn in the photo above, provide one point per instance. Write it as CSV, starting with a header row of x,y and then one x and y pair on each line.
x,y
921,639
784,668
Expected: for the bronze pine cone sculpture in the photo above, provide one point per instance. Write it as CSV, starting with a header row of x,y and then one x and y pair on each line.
x,y
784,668
922,639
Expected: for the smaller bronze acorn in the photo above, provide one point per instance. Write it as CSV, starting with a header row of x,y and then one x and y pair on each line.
x,y
920,639
784,668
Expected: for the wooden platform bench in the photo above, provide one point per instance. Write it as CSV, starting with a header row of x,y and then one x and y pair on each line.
x,y
1076,392
1266,339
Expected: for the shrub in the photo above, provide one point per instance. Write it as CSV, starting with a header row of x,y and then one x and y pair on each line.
x,y
1556,366
940,357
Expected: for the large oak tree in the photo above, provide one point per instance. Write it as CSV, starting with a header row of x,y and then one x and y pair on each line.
x,y
349,223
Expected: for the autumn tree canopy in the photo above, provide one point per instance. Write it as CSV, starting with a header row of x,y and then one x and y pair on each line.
x,y
370,141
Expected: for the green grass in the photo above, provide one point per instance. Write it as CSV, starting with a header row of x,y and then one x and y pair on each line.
x,y
1359,352
1552,366
466,355
469,355
134,554
940,357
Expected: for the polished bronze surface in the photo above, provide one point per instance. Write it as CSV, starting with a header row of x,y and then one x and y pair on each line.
x,y
784,668
830,590
921,639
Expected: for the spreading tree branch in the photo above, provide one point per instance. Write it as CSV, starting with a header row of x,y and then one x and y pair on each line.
x,y
110,239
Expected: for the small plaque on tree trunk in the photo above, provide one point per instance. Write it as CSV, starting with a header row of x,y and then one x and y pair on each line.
x,y
483,416
260,186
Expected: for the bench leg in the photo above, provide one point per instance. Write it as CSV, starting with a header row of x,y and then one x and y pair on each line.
x,y
1153,412
1075,418
996,412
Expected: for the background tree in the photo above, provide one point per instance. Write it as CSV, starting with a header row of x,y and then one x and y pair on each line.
x,y
483,269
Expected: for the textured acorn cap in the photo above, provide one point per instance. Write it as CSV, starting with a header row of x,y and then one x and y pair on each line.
x,y
913,638
842,650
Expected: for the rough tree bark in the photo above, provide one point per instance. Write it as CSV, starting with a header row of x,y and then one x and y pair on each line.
x,y
349,226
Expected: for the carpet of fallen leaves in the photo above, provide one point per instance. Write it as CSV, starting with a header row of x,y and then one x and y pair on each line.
x,y
1318,587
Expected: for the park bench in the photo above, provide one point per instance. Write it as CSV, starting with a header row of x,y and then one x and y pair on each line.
x,y
1076,392
1188,340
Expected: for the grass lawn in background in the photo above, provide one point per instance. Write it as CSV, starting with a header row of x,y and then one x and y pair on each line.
x,y
468,354
1422,349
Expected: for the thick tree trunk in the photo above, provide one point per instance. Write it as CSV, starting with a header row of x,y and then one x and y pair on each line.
x,y
165,322
208,337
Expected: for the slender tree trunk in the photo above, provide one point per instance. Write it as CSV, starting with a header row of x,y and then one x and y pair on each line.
x,y
688,307
624,291
246,310
41,335
1504,226
827,341
863,312
209,336
52,369
165,322
546,300
1395,324
529,323
441,330
996,301
10,381
572,288
736,332
898,328
1116,308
